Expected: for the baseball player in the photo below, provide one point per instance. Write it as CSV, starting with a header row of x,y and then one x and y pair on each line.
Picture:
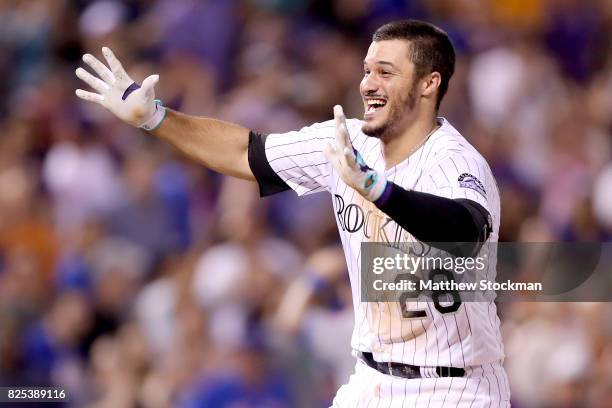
x,y
400,174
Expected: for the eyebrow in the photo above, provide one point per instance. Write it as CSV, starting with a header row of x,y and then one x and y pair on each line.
x,y
384,63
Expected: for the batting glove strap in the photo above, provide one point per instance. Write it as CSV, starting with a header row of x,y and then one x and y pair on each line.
x,y
384,195
158,116
374,186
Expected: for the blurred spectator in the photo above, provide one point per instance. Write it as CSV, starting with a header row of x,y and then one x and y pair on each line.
x,y
53,344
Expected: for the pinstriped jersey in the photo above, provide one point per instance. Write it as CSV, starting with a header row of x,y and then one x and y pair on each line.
x,y
445,165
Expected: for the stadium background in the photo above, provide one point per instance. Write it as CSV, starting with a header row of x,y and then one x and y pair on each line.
x,y
133,277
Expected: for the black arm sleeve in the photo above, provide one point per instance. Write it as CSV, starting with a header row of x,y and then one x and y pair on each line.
x,y
457,226
269,182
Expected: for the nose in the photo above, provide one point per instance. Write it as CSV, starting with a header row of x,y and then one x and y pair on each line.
x,y
369,84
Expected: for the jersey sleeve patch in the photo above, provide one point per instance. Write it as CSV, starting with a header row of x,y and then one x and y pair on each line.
x,y
467,180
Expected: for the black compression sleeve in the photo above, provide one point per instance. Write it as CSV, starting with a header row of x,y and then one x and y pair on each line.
x,y
463,224
269,182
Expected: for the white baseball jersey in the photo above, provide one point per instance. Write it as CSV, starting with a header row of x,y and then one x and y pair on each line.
x,y
445,165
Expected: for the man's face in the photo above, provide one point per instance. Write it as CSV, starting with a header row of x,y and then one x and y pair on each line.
x,y
388,88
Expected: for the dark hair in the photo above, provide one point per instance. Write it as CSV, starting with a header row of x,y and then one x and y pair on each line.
x,y
430,49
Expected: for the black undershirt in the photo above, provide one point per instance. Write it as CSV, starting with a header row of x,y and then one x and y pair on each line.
x,y
269,182
458,226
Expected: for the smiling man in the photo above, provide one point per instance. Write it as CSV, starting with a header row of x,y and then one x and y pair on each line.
x,y
402,174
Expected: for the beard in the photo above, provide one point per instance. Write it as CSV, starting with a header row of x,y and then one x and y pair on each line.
x,y
392,125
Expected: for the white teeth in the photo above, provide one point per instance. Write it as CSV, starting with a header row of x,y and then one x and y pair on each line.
x,y
376,102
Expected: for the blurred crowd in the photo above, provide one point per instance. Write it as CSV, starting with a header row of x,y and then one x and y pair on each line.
x,y
133,277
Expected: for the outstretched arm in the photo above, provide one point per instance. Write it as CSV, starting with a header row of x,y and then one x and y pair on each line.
x,y
219,145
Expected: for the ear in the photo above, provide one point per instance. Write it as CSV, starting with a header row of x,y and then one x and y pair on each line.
x,y
430,84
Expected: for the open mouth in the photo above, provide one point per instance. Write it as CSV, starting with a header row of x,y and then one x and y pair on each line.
x,y
373,105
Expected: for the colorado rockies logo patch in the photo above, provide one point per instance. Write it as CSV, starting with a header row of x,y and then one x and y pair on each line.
x,y
467,180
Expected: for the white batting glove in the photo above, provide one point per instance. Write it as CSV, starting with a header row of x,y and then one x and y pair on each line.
x,y
350,165
118,93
